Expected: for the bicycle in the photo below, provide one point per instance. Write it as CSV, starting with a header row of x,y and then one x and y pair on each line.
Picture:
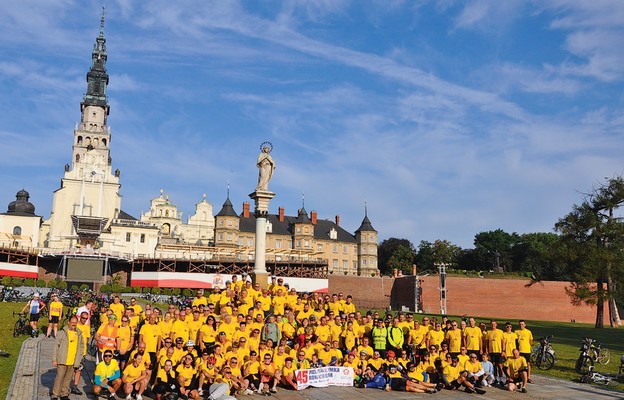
x,y
22,326
602,379
591,352
543,356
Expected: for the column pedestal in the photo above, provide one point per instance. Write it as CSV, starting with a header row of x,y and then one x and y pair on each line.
x,y
261,199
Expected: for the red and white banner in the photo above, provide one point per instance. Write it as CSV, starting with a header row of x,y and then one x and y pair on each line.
x,y
194,280
324,377
19,270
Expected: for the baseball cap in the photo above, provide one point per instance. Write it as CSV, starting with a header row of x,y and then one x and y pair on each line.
x,y
390,353
112,316
190,343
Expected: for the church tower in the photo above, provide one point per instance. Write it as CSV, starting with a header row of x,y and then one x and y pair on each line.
x,y
89,187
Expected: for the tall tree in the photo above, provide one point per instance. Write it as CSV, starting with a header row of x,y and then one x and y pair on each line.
x,y
593,239
386,250
494,249
537,253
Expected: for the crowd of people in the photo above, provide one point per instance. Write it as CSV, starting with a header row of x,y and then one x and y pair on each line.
x,y
254,340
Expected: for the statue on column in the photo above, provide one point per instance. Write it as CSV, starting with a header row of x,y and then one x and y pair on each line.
x,y
266,166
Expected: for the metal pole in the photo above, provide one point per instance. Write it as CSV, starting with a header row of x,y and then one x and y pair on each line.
x,y
442,271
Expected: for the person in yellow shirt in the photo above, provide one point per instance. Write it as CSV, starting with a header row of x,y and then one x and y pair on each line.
x,y
207,371
473,337
107,336
199,299
188,385
435,337
476,373
85,330
165,380
494,340
288,374
107,375
215,297
454,377
134,377
179,328
509,339
525,344
417,382
194,326
454,338
55,315
137,308
463,355
150,335
126,341
117,308
515,369
417,338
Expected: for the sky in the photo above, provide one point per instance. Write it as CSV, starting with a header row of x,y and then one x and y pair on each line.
x,y
442,119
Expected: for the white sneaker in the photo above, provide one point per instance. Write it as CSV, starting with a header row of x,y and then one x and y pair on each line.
x,y
249,391
129,397
200,391
139,397
259,390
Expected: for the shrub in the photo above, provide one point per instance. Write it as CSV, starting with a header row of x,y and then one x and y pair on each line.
x,y
40,283
17,282
147,290
75,287
105,288
62,285
176,291
156,290
6,281
166,291
84,286
186,292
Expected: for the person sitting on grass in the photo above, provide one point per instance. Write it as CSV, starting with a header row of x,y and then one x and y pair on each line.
x,y
515,369
455,377
107,375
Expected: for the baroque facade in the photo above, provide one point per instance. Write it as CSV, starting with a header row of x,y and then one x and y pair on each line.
x,y
86,215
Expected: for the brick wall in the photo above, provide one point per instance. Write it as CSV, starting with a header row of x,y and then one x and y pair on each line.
x,y
500,298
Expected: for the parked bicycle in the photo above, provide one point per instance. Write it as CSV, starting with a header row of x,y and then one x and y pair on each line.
x,y
22,326
591,352
602,379
543,355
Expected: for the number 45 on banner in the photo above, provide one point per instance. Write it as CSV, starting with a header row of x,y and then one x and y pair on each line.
x,y
302,377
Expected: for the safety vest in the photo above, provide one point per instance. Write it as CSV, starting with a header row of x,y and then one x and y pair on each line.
x,y
379,336
110,338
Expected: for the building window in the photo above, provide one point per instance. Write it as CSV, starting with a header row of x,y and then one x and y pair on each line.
x,y
17,231
220,235
298,243
278,243
298,229
319,248
230,223
142,237
345,249
229,237
335,264
344,265
364,262
335,248
221,222
128,236
333,234
306,243
249,242
354,264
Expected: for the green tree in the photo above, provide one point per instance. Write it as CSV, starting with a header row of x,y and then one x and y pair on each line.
x,y
493,249
402,259
593,247
440,251
386,250
537,253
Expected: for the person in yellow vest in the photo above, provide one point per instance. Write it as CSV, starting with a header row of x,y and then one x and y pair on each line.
x,y
55,315
107,337
134,377
107,376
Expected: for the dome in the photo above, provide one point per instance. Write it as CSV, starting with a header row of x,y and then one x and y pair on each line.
x,y
21,206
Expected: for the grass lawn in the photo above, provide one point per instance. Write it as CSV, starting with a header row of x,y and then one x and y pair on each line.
x,y
9,344
567,342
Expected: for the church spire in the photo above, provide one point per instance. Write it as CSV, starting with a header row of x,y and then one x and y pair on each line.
x,y
97,77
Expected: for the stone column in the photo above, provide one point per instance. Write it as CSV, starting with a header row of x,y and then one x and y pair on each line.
x,y
261,211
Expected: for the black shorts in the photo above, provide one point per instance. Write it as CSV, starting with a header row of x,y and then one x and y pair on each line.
x,y
54,319
496,358
527,356
455,384
34,317
398,384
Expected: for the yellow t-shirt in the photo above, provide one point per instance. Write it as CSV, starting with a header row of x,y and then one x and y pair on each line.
x,y
495,341
252,368
472,367
56,309
106,371
454,339
131,372
150,333
72,347
86,334
436,337
510,341
187,373
451,373
515,365
209,334
472,337
525,337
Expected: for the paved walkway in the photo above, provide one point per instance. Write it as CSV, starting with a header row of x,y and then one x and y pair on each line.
x,y
34,376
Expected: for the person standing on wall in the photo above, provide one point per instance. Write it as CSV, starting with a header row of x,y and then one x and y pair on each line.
x,y
68,353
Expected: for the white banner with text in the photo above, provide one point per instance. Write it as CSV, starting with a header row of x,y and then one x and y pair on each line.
x,y
323,377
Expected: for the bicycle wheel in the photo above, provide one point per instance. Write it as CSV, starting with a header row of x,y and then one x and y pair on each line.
x,y
583,364
604,356
545,361
17,329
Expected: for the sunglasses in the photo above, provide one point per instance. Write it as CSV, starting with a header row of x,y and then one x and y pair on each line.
x,y
108,355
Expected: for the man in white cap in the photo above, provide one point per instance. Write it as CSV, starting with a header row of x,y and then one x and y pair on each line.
x,y
35,307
